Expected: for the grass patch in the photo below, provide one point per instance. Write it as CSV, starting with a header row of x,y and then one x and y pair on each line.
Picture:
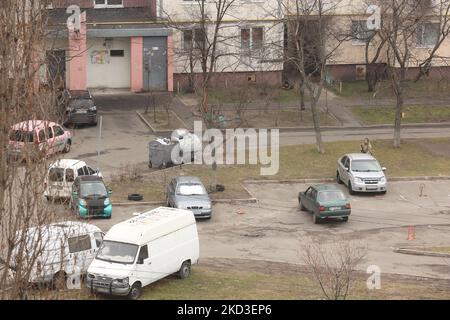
x,y
247,282
161,121
296,162
277,118
413,114
425,88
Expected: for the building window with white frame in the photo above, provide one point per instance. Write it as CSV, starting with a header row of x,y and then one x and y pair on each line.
x,y
252,38
427,35
360,33
108,3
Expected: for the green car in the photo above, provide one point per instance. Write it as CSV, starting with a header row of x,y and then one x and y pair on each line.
x,y
325,201
90,197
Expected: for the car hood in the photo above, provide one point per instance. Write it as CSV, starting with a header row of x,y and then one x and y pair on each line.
x,y
378,174
189,201
110,269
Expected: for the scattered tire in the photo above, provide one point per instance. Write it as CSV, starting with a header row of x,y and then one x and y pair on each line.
x,y
135,197
59,281
220,187
135,291
185,270
67,147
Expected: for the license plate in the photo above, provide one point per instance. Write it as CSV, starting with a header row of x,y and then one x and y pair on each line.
x,y
335,208
81,111
371,188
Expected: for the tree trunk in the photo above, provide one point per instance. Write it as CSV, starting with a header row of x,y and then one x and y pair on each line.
x,y
398,120
372,79
317,130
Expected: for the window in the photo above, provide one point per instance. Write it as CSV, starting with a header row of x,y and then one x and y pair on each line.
x,y
252,38
108,3
117,53
143,253
427,34
41,136
58,131
193,39
56,175
360,33
98,236
50,132
90,171
82,171
70,176
81,243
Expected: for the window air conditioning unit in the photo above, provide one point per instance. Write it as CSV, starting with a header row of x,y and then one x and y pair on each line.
x,y
360,73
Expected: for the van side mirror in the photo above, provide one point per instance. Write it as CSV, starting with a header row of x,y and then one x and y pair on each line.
x,y
384,169
109,192
347,169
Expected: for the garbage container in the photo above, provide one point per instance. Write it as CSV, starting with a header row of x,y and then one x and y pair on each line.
x,y
160,152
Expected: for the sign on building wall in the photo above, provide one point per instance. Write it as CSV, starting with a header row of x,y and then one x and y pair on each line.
x,y
100,57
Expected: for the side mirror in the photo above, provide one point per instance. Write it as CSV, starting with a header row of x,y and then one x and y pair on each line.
x,y
109,192
74,193
384,169
347,169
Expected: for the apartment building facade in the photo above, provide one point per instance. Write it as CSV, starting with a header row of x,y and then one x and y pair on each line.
x,y
120,44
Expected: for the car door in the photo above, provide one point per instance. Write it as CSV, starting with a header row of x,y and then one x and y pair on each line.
x,y
313,199
306,199
59,137
345,163
69,178
96,241
145,267
80,249
341,167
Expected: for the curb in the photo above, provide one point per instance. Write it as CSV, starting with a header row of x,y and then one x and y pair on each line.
x,y
163,203
145,121
322,180
421,252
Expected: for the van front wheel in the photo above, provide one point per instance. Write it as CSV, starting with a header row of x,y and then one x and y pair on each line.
x,y
135,291
185,270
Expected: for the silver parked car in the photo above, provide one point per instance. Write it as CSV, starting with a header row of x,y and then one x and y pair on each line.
x,y
185,192
361,172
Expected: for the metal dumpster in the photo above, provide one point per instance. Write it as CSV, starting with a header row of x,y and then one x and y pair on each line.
x,y
160,153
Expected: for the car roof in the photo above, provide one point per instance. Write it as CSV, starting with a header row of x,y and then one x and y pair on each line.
x,y
326,187
80,94
360,156
67,163
188,179
31,125
89,178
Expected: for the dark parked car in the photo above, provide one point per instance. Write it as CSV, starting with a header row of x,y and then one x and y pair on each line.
x,y
325,201
90,197
79,107
189,193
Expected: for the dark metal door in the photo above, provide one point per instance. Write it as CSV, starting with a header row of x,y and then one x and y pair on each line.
x,y
56,66
155,63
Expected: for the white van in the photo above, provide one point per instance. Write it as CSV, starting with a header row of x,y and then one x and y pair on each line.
x,y
61,175
60,252
144,249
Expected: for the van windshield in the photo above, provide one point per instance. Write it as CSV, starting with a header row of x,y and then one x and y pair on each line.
x,y
118,252
56,175
90,189
21,136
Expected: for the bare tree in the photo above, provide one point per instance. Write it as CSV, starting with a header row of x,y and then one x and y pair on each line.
x,y
22,205
333,266
314,37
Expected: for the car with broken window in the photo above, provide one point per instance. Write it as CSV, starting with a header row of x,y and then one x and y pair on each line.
x,y
324,202
188,192
35,138
361,172
79,107
90,197
61,175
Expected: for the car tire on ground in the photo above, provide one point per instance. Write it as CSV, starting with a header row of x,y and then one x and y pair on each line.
x,y
315,219
150,164
350,188
345,219
135,197
338,178
67,147
59,281
135,291
185,270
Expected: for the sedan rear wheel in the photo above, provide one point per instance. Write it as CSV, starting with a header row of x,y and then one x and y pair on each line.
x,y
302,207
338,178
315,219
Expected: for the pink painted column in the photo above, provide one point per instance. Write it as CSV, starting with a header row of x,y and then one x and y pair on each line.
x,y
170,63
137,64
78,57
